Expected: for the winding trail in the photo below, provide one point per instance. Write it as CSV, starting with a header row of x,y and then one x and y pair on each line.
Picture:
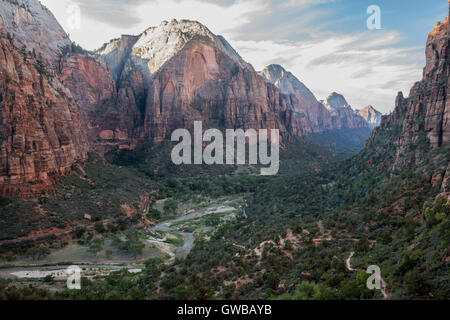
x,y
347,262
383,289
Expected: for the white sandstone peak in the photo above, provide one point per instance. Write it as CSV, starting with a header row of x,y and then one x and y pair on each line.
x,y
34,27
159,44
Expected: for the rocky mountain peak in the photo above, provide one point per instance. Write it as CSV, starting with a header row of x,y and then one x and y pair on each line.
x,y
158,44
371,115
34,28
273,73
335,101
286,82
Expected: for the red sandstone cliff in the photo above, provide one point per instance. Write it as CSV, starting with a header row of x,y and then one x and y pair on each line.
x,y
310,115
423,117
179,72
40,128
42,135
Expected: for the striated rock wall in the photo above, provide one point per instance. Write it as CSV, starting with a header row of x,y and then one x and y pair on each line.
x,y
203,83
110,119
423,117
310,115
41,134
180,72
33,28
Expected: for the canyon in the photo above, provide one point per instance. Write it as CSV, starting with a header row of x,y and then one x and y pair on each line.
x,y
133,91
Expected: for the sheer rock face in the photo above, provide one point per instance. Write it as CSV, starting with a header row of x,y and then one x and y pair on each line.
x,y
41,135
335,101
180,72
109,118
371,115
41,129
203,83
33,28
311,116
436,104
116,53
346,118
426,110
342,114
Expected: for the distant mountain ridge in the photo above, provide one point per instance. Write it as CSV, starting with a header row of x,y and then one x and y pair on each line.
x,y
313,116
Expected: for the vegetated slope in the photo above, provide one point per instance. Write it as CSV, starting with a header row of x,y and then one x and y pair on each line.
x,y
343,141
100,190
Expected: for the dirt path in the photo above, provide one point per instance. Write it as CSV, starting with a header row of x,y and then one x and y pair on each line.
x,y
383,290
347,262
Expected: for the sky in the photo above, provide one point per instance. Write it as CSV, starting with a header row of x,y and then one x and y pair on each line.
x,y
325,43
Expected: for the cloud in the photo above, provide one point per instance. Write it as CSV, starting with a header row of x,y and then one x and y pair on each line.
x,y
364,73
113,12
304,3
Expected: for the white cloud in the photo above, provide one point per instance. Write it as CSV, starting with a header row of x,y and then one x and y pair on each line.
x,y
364,74
304,3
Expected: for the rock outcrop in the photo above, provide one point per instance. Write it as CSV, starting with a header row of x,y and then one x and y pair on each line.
x,y
33,28
179,72
371,115
310,115
41,130
342,114
335,101
420,122
41,135
110,117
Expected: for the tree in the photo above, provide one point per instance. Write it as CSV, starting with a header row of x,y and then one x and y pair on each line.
x,y
132,244
170,206
96,246
38,253
309,291
99,227
271,280
416,283
363,244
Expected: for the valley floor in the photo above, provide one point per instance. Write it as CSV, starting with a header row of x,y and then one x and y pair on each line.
x,y
168,240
